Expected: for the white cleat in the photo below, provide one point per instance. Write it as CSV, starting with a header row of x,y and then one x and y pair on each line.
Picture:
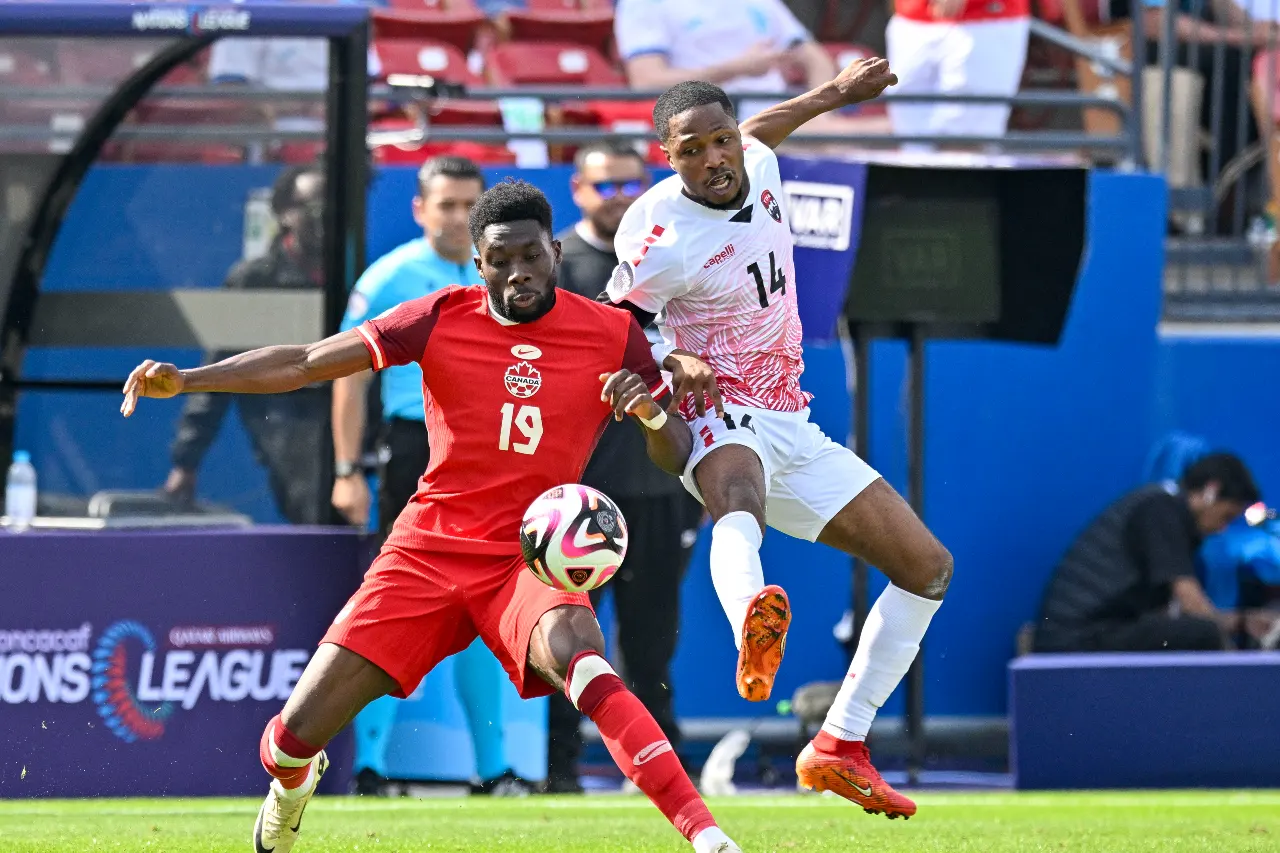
x,y
713,840
727,847
280,818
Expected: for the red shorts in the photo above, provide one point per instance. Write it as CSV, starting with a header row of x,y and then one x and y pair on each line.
x,y
415,608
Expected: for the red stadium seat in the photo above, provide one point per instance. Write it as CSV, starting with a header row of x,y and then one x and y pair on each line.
x,y
25,66
618,116
173,152
416,57
458,28
466,113
590,27
415,154
87,62
549,64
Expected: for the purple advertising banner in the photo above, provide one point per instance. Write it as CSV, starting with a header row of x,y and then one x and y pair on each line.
x,y
148,663
824,205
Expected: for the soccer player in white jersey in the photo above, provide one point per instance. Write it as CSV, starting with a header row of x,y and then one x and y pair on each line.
x,y
708,252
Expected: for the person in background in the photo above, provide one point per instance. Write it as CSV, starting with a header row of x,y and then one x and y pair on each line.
x,y
287,432
447,190
972,47
662,518
1129,582
741,45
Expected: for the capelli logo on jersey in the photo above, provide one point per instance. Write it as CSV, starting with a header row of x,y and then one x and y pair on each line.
x,y
719,257
821,214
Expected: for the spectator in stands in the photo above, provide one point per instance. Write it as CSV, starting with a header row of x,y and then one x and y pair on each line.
x,y
662,517
286,430
1129,581
741,45
447,190
949,47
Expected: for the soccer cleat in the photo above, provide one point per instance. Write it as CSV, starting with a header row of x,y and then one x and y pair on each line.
x,y
280,819
727,847
764,638
852,777
506,785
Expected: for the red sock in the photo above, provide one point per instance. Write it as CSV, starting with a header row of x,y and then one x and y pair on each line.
x,y
285,756
832,745
636,743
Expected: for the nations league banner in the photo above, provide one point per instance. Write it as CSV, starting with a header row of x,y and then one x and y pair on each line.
x,y
825,204
148,663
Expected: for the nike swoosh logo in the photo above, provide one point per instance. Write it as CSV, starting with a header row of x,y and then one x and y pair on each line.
x,y
583,539
866,792
526,351
651,752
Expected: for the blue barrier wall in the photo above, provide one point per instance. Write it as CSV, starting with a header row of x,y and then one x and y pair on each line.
x,y
1025,443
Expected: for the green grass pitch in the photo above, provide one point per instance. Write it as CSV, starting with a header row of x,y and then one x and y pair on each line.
x,y
1124,822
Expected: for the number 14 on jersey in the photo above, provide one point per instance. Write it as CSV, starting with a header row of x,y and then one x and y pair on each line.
x,y
777,280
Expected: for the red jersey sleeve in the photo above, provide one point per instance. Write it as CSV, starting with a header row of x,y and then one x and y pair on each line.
x,y
638,358
399,336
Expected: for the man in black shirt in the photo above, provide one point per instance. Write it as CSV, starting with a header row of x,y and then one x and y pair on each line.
x,y
289,432
1129,581
662,518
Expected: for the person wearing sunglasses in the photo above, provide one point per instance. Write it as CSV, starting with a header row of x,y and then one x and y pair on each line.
x,y
662,518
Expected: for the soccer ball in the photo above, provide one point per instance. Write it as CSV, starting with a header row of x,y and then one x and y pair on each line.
x,y
573,538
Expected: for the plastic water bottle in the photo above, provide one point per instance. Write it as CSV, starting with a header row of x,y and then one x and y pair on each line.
x,y
20,492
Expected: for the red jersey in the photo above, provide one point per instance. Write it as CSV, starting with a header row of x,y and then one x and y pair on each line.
x,y
511,409
974,10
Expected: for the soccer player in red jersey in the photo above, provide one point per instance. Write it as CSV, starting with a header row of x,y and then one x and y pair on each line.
x,y
519,380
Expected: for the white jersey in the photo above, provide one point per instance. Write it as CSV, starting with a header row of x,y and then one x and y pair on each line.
x,y
722,282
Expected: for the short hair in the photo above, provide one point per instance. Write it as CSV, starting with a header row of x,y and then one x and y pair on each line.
x,y
449,167
284,192
1235,483
686,96
609,147
509,201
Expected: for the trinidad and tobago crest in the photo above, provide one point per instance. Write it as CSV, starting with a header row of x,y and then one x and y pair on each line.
x,y
771,204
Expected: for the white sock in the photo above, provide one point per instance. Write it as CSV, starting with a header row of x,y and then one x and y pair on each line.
x,y
709,839
736,572
302,790
889,643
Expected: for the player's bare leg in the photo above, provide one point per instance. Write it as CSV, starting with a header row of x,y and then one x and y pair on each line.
x,y
567,650
881,528
333,688
731,480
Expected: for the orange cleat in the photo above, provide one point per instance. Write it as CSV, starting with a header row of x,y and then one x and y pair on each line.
x,y
764,638
850,775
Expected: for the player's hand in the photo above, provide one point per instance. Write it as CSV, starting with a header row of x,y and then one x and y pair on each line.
x,y
628,395
351,498
692,375
150,379
864,79
946,10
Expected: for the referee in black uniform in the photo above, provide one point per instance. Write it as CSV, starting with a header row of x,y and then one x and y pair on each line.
x,y
661,516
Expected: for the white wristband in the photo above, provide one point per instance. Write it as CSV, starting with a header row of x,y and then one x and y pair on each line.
x,y
660,351
656,423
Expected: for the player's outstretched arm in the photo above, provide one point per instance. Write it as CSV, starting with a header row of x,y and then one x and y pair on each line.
x,y
667,440
862,80
269,370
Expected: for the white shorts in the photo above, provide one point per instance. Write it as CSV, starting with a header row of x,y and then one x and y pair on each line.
x,y
973,57
808,478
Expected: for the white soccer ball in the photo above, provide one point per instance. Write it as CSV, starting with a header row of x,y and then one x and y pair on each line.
x,y
573,538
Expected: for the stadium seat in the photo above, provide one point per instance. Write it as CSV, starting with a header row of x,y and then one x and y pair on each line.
x,y
173,152
457,23
87,62
25,66
549,64
617,116
590,27
416,57
416,154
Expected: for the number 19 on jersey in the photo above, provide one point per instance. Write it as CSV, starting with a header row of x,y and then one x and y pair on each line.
x,y
527,421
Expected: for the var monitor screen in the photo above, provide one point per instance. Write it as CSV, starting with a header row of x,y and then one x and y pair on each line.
x,y
927,259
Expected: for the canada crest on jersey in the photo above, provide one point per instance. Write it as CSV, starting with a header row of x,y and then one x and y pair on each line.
x,y
771,204
523,380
